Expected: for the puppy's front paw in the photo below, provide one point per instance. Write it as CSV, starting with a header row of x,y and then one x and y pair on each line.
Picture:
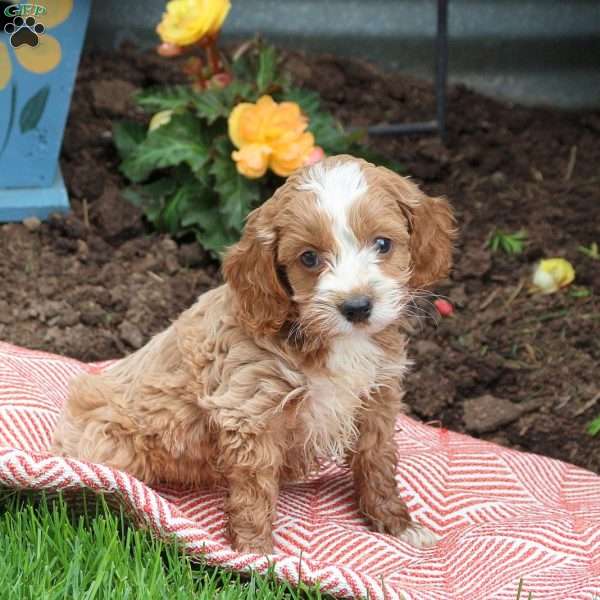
x,y
391,516
388,515
419,536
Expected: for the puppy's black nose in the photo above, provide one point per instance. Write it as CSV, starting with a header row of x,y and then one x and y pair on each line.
x,y
357,309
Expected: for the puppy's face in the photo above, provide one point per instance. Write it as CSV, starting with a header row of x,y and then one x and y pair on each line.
x,y
338,249
344,247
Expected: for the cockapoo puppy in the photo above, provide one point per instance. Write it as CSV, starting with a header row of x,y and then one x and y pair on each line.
x,y
297,358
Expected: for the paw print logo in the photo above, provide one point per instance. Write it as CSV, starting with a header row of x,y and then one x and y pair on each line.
x,y
30,47
24,31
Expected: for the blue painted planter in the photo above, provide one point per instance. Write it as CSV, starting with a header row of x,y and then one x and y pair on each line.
x,y
40,46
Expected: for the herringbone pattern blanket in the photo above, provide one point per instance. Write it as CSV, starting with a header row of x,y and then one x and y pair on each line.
x,y
502,515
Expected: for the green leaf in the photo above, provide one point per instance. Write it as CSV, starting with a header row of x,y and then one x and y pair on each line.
x,y
217,237
151,197
188,197
181,140
237,194
267,69
239,91
309,101
170,216
511,243
592,251
32,111
593,428
127,136
329,133
166,98
579,292
196,207
211,105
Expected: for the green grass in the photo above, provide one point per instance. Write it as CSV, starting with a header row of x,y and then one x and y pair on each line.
x,y
593,427
510,243
591,251
49,553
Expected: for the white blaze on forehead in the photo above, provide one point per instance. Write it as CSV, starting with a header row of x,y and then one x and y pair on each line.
x,y
337,189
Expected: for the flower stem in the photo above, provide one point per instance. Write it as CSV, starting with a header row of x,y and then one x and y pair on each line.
x,y
212,54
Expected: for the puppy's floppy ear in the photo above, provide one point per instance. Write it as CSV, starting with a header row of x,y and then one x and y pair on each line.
x,y
432,229
250,268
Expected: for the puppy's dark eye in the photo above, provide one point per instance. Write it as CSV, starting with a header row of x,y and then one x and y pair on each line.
x,y
383,245
309,259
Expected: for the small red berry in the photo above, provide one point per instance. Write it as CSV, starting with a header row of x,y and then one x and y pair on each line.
x,y
444,307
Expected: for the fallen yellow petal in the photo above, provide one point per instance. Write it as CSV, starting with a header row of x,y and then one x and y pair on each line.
x,y
159,119
552,274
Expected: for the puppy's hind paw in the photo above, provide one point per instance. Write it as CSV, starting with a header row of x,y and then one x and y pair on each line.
x,y
419,536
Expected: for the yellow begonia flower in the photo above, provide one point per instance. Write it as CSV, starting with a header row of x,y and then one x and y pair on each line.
x,y
47,54
269,134
552,274
187,22
159,119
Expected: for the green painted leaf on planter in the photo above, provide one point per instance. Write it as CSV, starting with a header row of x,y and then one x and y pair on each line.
x,y
33,110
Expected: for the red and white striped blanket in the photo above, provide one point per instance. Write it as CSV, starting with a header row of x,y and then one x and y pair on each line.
x,y
502,515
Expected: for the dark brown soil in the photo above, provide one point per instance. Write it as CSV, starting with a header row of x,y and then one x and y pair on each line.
x,y
97,284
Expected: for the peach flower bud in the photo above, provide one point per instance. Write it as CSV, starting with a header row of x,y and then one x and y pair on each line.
x,y
315,156
220,80
169,50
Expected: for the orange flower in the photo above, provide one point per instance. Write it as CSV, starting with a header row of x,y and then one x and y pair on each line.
x,y
269,135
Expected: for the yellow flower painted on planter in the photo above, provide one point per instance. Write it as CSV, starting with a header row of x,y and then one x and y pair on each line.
x,y
45,54
269,135
552,274
187,22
